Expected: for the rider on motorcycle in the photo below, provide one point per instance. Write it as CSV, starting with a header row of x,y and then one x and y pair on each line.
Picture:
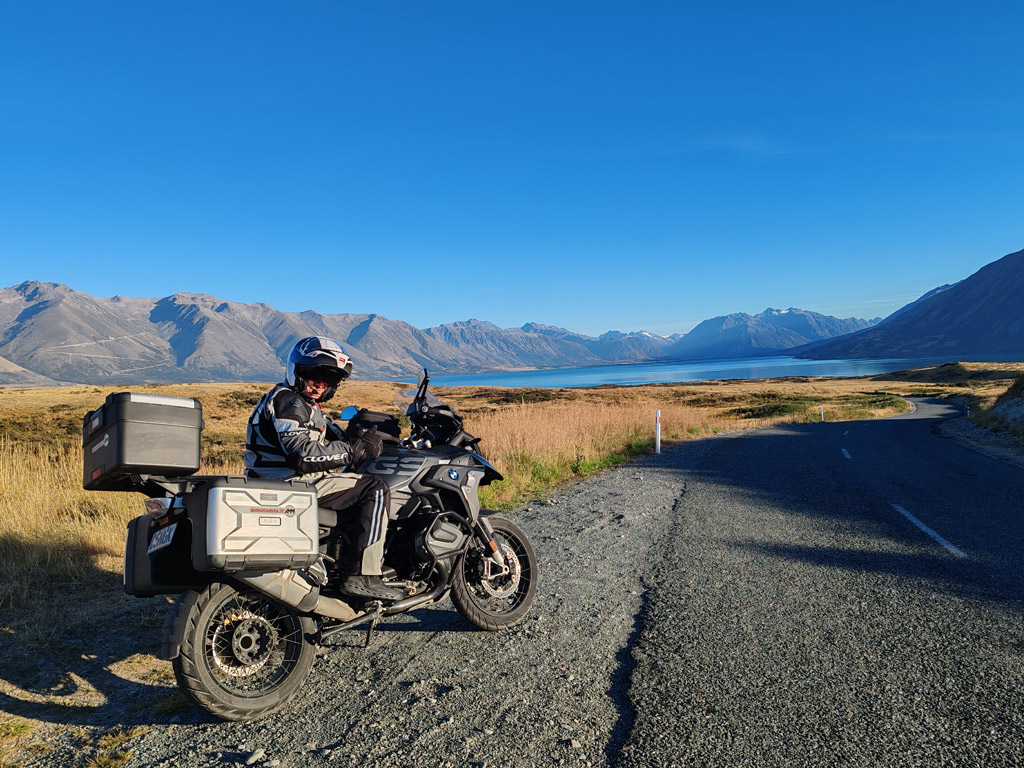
x,y
289,436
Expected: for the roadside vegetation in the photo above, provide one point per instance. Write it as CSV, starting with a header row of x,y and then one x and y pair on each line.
x,y
991,393
1004,416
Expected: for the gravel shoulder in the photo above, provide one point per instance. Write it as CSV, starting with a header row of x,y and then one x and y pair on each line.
x,y
1003,447
430,691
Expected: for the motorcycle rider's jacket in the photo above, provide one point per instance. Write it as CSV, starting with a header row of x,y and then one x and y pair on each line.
x,y
288,436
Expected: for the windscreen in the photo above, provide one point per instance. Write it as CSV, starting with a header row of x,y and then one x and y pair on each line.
x,y
404,400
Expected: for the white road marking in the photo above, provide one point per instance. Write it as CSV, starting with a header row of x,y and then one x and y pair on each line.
x,y
846,453
945,544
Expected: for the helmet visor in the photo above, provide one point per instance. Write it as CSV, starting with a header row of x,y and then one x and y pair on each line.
x,y
329,376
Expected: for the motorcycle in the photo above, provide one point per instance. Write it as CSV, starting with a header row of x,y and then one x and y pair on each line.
x,y
255,602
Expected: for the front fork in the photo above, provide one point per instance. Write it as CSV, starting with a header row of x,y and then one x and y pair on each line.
x,y
486,535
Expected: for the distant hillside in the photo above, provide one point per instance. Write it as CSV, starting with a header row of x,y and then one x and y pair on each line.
x,y
51,333
479,344
981,315
12,375
774,331
932,292
612,346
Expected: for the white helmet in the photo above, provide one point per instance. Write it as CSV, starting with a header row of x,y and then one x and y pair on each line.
x,y
317,357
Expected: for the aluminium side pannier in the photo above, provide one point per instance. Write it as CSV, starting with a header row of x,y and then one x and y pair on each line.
x,y
240,524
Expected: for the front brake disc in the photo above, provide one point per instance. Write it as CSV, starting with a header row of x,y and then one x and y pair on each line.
x,y
502,584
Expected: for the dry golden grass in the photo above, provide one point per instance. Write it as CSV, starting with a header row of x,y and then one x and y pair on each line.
x,y
565,434
54,533
537,445
1004,416
51,531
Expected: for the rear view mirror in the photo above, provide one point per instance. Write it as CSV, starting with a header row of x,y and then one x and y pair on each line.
x,y
348,413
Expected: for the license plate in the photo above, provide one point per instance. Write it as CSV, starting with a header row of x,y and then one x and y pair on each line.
x,y
162,538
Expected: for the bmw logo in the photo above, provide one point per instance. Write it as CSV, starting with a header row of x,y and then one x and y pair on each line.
x,y
453,474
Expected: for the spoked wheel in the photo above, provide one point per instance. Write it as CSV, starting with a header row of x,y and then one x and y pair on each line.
x,y
243,655
491,597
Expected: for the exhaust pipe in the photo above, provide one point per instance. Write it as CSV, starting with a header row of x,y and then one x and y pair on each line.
x,y
292,589
288,587
440,587
285,586
335,608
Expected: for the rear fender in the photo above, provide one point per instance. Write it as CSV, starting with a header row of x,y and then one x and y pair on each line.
x,y
176,624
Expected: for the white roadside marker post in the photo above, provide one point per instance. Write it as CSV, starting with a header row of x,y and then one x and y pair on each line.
x,y
657,431
823,413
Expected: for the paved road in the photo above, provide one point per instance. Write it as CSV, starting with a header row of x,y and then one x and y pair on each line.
x,y
755,599
800,617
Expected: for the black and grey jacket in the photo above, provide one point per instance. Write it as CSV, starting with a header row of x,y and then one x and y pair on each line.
x,y
288,436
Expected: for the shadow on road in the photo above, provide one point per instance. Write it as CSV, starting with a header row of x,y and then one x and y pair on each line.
x,y
442,618
801,471
932,571
798,618
88,661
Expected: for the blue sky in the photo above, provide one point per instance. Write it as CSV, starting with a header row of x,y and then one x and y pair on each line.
x,y
593,165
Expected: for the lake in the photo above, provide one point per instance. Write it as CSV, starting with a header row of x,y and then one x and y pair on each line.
x,y
695,370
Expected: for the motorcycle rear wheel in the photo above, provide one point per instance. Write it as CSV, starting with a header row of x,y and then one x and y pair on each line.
x,y
243,655
491,600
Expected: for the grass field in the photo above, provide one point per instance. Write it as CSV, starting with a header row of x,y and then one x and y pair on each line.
x,y
56,538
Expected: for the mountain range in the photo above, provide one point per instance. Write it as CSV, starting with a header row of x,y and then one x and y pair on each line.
x,y
51,333
772,332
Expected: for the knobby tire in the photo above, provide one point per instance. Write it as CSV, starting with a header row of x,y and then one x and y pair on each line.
x,y
195,673
471,598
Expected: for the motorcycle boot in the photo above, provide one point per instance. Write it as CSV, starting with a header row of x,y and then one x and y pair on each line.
x,y
373,587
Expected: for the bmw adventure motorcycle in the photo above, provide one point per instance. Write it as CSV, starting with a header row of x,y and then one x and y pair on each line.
x,y
249,556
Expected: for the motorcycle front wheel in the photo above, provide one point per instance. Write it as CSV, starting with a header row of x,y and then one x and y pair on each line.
x,y
492,598
243,655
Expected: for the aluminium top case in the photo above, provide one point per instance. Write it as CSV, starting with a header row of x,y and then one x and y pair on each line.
x,y
135,434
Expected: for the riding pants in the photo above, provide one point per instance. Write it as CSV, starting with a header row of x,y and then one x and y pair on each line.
x,y
367,497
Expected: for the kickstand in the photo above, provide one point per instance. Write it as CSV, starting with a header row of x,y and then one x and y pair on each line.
x,y
378,609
